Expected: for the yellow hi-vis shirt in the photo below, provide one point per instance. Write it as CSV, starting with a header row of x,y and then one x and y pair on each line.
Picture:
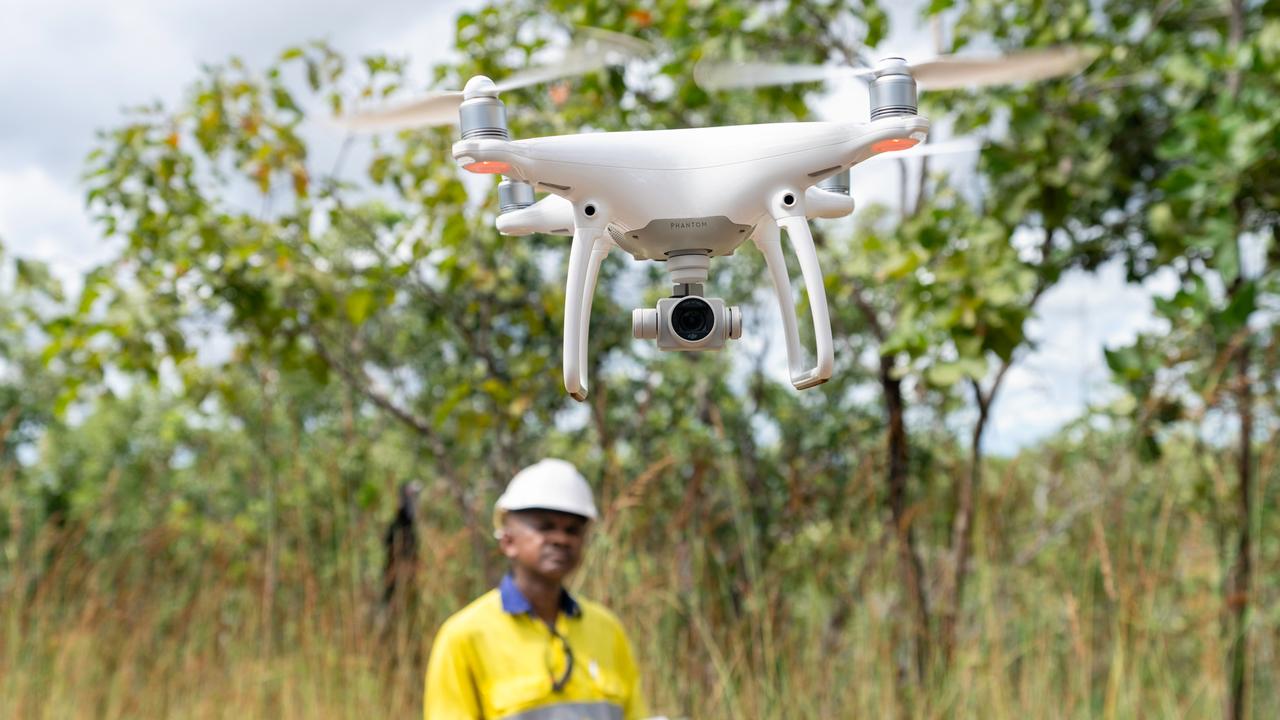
x,y
496,660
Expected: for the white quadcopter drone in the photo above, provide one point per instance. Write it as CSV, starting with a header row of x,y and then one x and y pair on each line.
x,y
682,197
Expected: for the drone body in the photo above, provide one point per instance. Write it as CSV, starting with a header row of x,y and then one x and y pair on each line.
x,y
645,181
682,197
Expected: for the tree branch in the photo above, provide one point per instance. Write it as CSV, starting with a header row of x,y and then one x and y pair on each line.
x,y
361,383
867,311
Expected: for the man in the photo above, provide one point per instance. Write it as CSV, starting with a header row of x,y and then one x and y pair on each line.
x,y
528,650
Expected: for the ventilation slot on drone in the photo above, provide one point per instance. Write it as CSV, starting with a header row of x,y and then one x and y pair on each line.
x,y
486,132
893,111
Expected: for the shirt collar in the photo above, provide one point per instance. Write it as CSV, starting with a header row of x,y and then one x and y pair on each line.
x,y
515,603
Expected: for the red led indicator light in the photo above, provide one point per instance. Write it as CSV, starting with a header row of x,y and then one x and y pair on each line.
x,y
488,167
894,144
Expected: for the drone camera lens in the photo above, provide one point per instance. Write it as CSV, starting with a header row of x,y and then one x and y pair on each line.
x,y
693,319
589,210
788,199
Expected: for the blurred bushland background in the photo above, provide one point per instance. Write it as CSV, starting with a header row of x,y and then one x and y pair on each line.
x,y
203,439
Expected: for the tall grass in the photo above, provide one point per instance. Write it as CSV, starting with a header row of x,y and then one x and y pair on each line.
x,y
1096,593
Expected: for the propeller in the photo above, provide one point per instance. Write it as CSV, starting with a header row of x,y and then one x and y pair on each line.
x,y
944,72
591,50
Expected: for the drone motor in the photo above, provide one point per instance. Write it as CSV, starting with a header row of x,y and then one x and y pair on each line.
x,y
893,90
514,195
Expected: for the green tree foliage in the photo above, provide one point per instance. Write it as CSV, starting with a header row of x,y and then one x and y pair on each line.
x,y
1178,175
1214,220
26,289
294,326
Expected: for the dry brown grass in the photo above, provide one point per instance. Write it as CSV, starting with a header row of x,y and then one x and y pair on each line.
x,y
1080,614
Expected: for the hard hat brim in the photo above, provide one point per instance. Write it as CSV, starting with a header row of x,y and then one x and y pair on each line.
x,y
544,508
499,515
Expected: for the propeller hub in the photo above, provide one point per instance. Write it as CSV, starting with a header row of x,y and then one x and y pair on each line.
x,y
482,114
893,91
892,66
479,86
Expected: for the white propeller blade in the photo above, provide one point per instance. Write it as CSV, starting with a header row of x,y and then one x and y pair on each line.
x,y
437,108
956,71
940,73
592,50
630,46
728,76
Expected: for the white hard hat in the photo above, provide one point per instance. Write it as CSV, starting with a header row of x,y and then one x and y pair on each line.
x,y
549,484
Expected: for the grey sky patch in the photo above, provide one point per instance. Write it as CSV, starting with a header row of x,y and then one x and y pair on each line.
x,y
83,63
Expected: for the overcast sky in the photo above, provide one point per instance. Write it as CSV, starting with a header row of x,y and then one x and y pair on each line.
x,y
70,67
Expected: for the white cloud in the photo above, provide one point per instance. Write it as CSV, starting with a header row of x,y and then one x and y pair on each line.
x,y
82,63
44,219
1067,371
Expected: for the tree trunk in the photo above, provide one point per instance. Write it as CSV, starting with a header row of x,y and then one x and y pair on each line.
x,y
1239,586
962,529
910,565
962,521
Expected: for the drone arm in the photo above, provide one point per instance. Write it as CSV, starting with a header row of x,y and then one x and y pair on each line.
x,y
820,203
552,215
790,216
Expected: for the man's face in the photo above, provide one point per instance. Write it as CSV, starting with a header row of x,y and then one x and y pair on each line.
x,y
547,543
